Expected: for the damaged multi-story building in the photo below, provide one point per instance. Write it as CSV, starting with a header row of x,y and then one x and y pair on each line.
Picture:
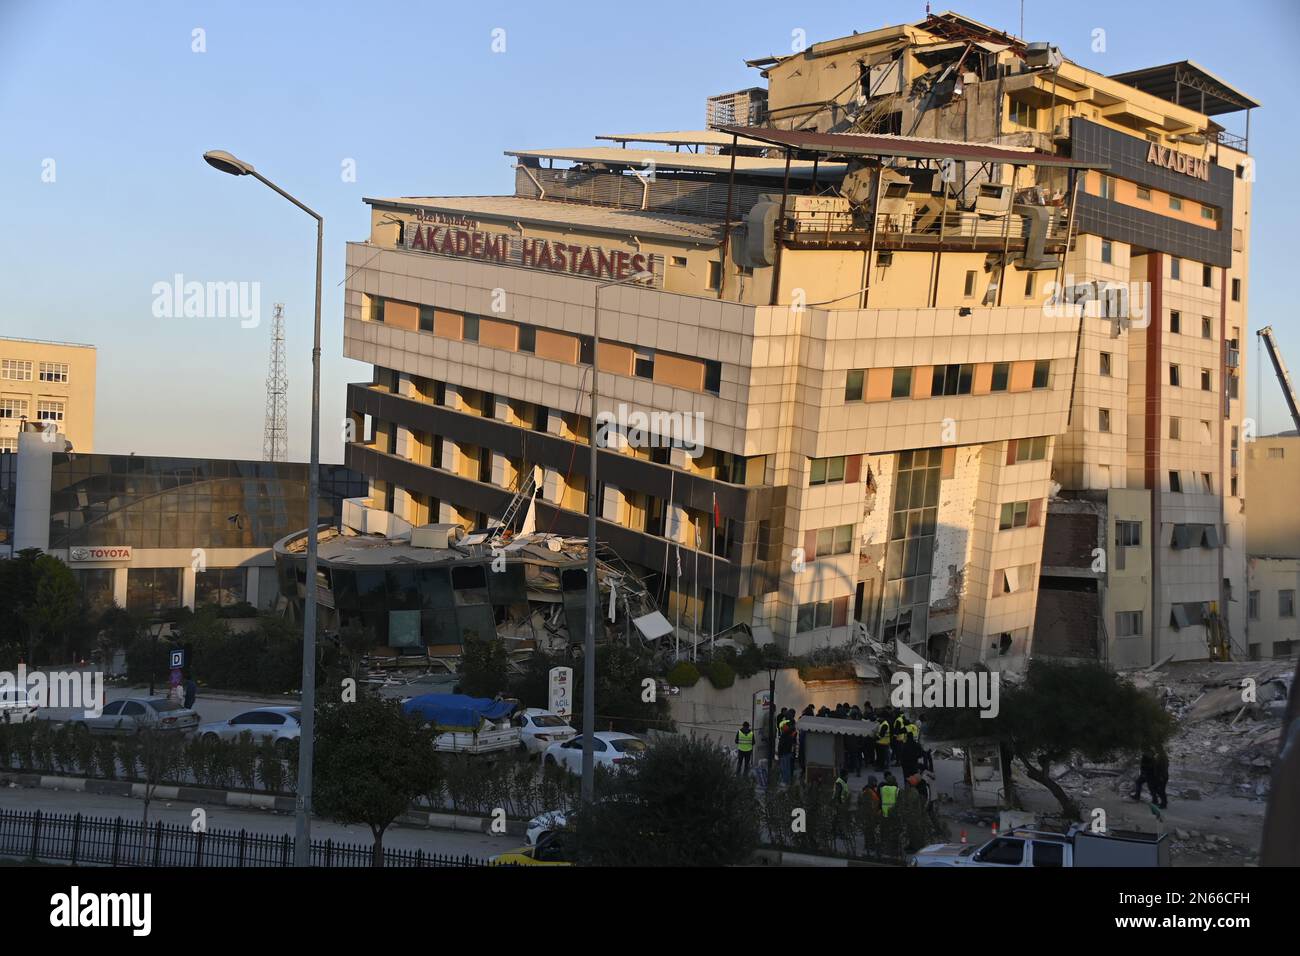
x,y
844,364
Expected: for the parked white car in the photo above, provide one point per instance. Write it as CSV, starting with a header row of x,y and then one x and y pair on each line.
x,y
544,823
610,749
16,707
280,724
538,729
125,718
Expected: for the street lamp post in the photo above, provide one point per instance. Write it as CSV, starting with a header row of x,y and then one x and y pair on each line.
x,y
593,590
219,159
771,720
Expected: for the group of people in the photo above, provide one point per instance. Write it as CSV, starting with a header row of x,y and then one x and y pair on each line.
x,y
884,794
895,741
1154,772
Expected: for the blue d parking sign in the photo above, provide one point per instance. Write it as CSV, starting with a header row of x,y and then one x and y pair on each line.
x,y
178,658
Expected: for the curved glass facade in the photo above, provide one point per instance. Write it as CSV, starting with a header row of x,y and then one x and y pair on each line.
x,y
148,502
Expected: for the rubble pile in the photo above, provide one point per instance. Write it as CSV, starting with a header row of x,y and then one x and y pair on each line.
x,y
1229,724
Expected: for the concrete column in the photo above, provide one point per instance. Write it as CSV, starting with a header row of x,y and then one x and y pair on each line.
x,y
552,485
119,587
187,586
611,508
451,398
501,409
554,422
675,523
252,582
32,497
402,503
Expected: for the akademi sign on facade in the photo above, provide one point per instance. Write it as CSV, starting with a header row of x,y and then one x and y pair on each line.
x,y
99,554
550,255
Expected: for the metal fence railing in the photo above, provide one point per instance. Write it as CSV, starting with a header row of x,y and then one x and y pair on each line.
x,y
83,840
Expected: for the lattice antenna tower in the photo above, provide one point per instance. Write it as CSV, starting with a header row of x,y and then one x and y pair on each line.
x,y
275,432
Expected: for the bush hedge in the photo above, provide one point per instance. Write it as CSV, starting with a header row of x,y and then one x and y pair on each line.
x,y
684,674
720,674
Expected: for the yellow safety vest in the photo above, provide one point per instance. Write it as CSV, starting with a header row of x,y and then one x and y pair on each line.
x,y
900,731
841,790
745,741
888,797
915,731
882,734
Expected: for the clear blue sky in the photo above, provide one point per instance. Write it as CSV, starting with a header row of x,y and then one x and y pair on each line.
x,y
113,93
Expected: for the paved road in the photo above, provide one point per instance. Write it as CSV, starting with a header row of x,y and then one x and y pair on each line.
x,y
260,821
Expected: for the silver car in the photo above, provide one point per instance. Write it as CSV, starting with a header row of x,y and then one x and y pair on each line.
x,y
279,724
125,718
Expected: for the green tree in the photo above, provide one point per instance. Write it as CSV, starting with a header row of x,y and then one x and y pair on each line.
x,y
54,606
682,805
620,695
1059,710
372,761
484,668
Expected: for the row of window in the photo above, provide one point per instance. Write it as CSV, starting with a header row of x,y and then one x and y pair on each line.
x,y
1285,604
522,337
1176,483
20,370
820,614
1176,377
46,411
1144,194
1176,324
1020,514
1175,270
944,380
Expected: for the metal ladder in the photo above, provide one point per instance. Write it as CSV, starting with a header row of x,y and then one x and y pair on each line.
x,y
525,486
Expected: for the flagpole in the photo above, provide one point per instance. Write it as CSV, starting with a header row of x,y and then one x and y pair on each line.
x,y
713,576
695,590
677,630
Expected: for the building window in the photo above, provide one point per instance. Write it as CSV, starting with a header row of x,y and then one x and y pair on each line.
x,y
1103,419
8,445
1175,483
1105,364
469,331
832,541
1017,514
715,275
56,372
826,471
1176,323
49,412
426,318
1175,267
1286,603
1207,384
1029,284
1174,376
1028,449
1207,483
223,587
1175,203
1107,251
1023,114
13,408
376,308
1236,290
1208,212
1107,187
814,616
1128,534
1042,373
952,379
1207,330
16,370
1207,276
909,554
527,338
969,291
902,384
679,260
1001,376
853,385
1144,192
1128,623
643,365
1175,429
1252,606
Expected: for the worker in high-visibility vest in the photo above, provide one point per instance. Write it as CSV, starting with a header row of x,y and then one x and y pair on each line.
x,y
900,734
882,744
888,794
841,787
744,748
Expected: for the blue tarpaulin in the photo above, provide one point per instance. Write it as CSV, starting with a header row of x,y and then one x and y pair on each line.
x,y
457,711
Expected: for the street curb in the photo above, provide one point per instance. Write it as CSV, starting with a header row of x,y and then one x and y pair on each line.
x,y
772,857
239,798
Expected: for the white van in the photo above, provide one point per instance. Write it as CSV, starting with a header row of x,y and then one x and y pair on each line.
x,y
16,707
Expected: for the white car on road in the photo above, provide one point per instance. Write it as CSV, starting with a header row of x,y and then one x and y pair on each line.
x,y
16,707
280,724
610,749
538,729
